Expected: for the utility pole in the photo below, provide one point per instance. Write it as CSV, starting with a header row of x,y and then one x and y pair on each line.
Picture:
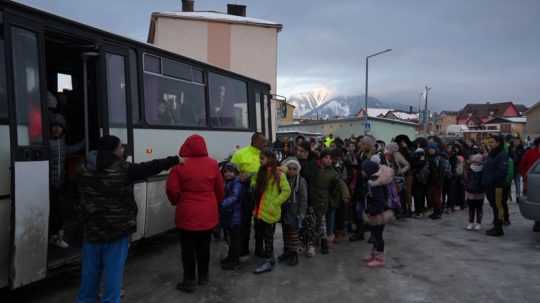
x,y
366,118
426,112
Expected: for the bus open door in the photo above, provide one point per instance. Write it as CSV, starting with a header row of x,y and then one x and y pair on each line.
x,y
29,153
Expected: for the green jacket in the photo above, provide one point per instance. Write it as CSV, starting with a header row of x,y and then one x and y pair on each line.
x,y
247,159
325,183
268,209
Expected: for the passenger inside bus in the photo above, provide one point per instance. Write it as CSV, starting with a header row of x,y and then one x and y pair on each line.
x,y
66,108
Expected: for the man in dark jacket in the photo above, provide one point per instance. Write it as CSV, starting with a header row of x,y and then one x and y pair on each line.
x,y
108,213
494,181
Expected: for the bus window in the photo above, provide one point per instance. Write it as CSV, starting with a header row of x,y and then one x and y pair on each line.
x,y
171,102
27,89
152,64
177,70
116,95
3,87
228,102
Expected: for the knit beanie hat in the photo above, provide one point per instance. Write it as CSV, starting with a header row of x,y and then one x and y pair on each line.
x,y
370,167
420,151
376,158
229,166
106,147
325,152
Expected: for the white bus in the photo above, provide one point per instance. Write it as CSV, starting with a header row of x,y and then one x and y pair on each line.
x,y
103,84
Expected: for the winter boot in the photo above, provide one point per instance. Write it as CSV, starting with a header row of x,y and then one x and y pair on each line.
x,y
496,231
377,261
284,257
293,259
324,246
187,286
311,252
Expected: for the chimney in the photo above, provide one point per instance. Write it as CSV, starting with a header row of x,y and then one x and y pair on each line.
x,y
188,5
236,10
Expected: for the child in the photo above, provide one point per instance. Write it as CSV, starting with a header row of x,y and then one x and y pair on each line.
x,y
379,176
293,212
474,192
339,200
231,215
324,184
271,191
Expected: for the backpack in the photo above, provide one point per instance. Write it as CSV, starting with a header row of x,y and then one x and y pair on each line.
x,y
393,199
422,176
474,183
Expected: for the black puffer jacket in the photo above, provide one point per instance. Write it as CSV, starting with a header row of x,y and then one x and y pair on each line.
x,y
108,209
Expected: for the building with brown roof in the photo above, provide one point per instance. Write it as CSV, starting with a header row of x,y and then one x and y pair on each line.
x,y
476,115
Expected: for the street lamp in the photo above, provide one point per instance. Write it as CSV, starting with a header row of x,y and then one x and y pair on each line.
x,y
366,94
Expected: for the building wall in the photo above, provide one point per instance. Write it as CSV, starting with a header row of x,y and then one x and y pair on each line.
x,y
533,122
185,37
383,130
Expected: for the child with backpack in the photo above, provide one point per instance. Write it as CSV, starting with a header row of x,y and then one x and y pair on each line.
x,y
379,177
474,192
231,215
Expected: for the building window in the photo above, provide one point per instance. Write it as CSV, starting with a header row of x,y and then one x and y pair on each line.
x,y
228,102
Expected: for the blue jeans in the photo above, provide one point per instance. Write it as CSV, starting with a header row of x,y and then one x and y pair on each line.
x,y
107,260
330,221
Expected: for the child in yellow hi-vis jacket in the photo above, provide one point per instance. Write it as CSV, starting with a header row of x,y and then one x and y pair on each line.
x,y
271,190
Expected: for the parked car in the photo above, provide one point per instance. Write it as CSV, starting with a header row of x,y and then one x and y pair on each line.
x,y
529,204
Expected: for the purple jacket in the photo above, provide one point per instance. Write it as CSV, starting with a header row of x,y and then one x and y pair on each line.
x,y
231,206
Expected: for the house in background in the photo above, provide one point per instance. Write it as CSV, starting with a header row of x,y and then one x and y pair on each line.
x,y
514,126
373,112
401,116
533,121
476,115
445,119
229,40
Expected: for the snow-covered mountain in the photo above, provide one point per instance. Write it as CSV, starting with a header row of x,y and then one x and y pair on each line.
x,y
308,101
316,105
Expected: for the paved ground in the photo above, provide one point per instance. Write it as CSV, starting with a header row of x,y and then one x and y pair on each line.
x,y
427,261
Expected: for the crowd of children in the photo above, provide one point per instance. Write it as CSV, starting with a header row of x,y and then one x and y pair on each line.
x,y
326,191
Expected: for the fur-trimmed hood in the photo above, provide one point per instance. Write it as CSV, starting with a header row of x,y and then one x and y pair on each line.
x,y
385,176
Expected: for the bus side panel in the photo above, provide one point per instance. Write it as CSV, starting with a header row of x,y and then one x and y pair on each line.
x,y
5,205
139,192
159,212
152,144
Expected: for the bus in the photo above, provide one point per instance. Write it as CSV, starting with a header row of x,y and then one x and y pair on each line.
x,y
102,83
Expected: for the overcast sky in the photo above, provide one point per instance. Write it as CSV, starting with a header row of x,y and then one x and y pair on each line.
x,y
467,50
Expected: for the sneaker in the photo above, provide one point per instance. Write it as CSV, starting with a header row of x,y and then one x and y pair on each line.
x,y
311,252
477,226
58,241
369,257
507,223
457,208
186,286
470,226
225,260
377,261
264,268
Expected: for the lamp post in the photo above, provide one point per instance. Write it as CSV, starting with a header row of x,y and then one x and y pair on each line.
x,y
366,93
